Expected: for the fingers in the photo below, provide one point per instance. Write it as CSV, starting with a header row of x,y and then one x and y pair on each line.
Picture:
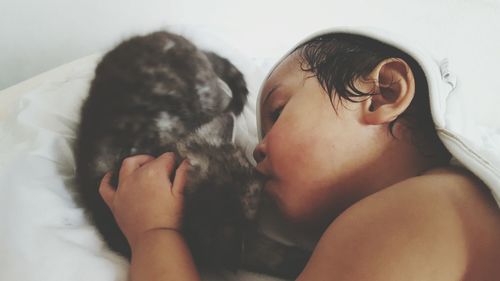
x,y
180,178
130,164
106,190
167,161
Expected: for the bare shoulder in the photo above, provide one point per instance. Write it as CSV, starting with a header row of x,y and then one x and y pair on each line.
x,y
429,227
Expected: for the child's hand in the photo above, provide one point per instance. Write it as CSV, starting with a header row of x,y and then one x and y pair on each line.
x,y
146,199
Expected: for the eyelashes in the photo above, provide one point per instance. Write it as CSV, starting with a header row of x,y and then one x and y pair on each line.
x,y
275,105
275,114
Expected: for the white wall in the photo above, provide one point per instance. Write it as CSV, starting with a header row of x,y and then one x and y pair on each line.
x,y
37,35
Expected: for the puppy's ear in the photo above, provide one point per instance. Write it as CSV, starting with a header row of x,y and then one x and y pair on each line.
x,y
394,88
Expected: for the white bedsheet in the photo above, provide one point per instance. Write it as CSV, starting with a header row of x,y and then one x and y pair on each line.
x,y
44,236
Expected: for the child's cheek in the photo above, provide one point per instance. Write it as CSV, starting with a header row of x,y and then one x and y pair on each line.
x,y
287,150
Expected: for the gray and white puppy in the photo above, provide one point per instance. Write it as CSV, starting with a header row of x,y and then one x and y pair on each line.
x,y
157,93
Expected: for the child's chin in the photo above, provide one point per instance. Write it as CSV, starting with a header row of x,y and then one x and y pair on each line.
x,y
292,213
291,209
271,189
301,216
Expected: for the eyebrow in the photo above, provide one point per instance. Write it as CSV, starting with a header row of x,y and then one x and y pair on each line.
x,y
271,92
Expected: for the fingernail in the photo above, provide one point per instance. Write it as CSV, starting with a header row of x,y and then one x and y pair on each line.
x,y
171,154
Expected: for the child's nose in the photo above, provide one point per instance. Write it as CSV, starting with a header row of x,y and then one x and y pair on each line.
x,y
259,152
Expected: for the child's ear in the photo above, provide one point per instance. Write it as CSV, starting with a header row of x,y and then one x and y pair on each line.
x,y
394,90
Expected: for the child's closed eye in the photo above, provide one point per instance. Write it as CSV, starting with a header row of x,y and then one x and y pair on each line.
x,y
275,114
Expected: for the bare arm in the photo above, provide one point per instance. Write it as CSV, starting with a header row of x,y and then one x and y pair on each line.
x,y
162,254
148,208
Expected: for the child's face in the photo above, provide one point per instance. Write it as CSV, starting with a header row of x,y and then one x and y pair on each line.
x,y
316,160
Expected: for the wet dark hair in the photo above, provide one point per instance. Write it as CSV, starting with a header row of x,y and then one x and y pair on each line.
x,y
338,59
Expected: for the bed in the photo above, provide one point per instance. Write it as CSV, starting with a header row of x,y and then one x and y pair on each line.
x,y
45,236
